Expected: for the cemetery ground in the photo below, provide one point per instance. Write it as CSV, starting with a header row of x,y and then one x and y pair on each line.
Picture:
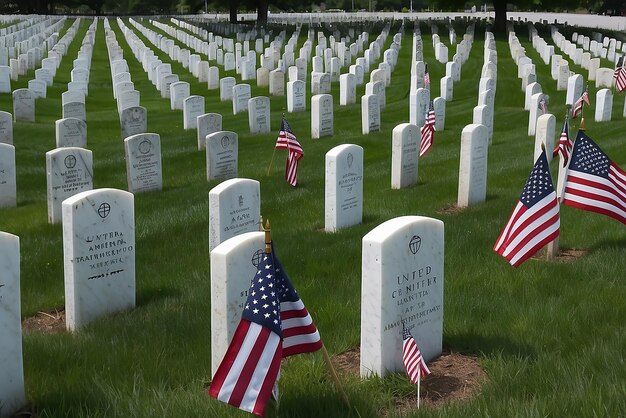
x,y
550,336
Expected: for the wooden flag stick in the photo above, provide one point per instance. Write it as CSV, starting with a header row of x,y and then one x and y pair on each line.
x,y
419,379
271,161
268,237
333,374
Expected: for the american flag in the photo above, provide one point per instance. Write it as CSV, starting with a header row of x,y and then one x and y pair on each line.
x,y
287,140
578,106
565,144
620,75
274,324
534,221
594,182
426,77
428,131
412,358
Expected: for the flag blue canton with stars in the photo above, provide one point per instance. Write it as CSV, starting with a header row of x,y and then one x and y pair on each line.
x,y
588,158
262,305
539,183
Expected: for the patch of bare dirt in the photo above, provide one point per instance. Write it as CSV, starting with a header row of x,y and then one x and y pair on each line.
x,y
568,255
49,322
454,377
450,209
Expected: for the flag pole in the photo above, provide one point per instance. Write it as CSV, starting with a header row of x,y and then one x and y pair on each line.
x,y
419,379
553,246
331,368
334,376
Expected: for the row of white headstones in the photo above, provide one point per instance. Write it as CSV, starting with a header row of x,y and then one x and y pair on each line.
x,y
98,228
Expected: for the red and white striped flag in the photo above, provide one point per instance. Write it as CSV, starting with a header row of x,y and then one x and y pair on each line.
x,y
426,77
428,131
578,105
287,140
565,144
414,363
274,324
535,220
620,75
594,182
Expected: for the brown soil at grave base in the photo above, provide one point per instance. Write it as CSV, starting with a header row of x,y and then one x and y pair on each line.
x,y
450,209
565,256
50,322
454,377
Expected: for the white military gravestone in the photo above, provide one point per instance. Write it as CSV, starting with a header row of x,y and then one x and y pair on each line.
x,y
296,96
8,196
234,208
179,91
6,128
259,114
241,95
405,140
343,195
99,255
207,124
226,88
546,125
370,114
233,264
71,132
23,105
222,155
321,116
12,394
604,105
574,89
69,171
143,162
133,121
402,281
473,165
193,106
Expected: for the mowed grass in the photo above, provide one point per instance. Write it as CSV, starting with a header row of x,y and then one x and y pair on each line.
x,y
551,336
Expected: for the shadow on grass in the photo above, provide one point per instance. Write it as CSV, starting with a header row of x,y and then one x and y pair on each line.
x,y
147,296
487,345
610,243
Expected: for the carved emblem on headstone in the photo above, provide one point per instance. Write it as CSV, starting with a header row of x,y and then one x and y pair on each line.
x,y
257,257
240,200
350,159
225,141
145,146
415,244
104,210
70,161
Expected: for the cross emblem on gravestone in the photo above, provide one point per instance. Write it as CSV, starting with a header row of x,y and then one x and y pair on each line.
x,y
145,146
225,142
70,161
104,209
350,160
257,257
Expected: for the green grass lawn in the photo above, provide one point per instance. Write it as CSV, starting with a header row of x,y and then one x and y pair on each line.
x,y
551,336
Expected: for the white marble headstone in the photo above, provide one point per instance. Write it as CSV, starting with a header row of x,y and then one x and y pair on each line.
x,y
234,208
546,125
23,105
473,165
296,96
99,255
405,139
343,195
370,114
193,106
12,394
8,197
604,105
241,95
321,116
133,121
6,128
259,114
222,154
143,162
207,124
69,171
233,264
71,132
402,281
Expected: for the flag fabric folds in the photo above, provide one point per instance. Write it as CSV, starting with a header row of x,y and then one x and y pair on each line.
x,y
426,77
543,105
414,363
578,105
535,220
287,140
427,131
565,144
620,75
274,324
594,182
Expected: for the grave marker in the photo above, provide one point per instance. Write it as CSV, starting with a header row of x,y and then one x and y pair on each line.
x,y
344,187
143,162
473,165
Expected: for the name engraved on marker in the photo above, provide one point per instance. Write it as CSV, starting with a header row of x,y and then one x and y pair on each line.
x,y
105,251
